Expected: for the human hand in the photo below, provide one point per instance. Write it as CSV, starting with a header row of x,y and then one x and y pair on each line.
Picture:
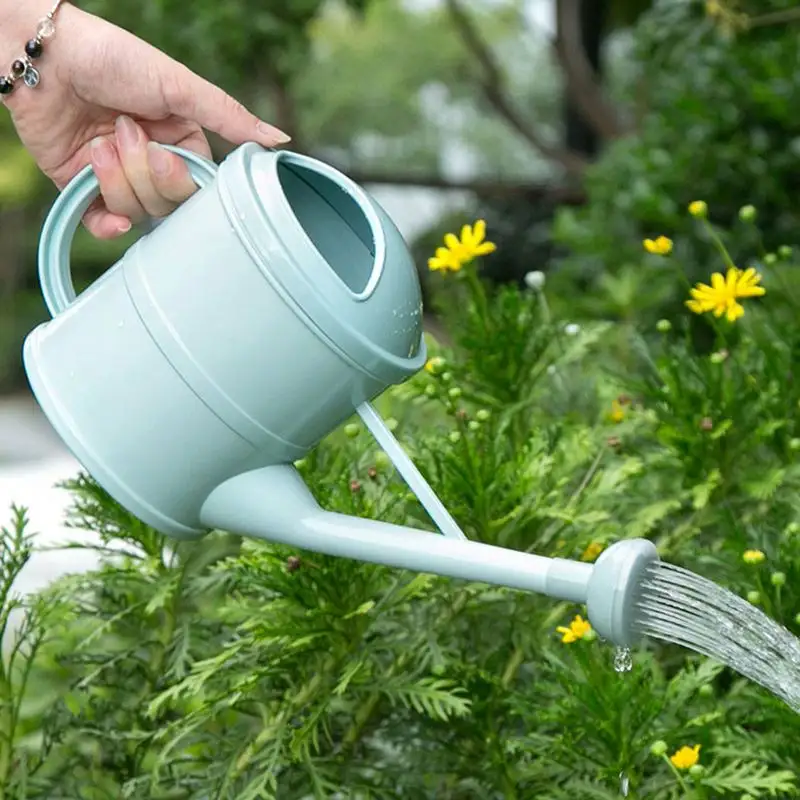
x,y
106,98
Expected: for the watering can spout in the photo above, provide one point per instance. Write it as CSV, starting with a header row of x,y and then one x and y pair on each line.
x,y
273,503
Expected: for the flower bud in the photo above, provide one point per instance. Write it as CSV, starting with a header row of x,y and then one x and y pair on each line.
x,y
455,436
351,430
382,461
535,280
447,376
435,365
454,393
697,770
663,326
391,423
706,690
482,415
778,579
753,597
719,356
770,259
658,748
473,425
785,252
747,213
698,209
430,390
794,444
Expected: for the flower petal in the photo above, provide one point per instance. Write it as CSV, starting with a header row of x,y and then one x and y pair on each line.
x,y
452,243
735,310
478,232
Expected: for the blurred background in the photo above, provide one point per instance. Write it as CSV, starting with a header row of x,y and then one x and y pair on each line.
x,y
574,127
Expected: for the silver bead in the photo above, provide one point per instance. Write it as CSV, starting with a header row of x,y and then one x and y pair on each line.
x,y
45,29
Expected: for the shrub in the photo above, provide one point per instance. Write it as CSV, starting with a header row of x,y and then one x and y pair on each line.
x,y
243,669
718,82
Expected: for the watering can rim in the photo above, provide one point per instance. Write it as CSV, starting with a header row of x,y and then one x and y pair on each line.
x,y
290,279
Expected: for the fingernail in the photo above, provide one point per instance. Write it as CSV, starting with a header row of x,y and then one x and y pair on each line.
x,y
127,132
124,227
158,159
101,152
277,135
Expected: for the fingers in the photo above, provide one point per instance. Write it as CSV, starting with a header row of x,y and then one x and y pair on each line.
x,y
138,178
190,96
102,224
115,186
169,174
168,170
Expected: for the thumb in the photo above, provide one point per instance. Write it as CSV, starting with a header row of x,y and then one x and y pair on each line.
x,y
189,96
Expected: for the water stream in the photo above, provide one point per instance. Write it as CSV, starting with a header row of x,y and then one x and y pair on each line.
x,y
623,660
676,605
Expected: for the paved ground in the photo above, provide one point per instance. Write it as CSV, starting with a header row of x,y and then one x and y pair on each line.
x,y
32,461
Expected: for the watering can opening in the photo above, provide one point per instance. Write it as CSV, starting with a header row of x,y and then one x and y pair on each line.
x,y
334,222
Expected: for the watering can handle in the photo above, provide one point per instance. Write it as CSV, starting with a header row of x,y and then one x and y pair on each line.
x,y
408,471
62,221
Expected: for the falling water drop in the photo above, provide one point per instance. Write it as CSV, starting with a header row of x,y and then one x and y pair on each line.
x,y
623,661
624,784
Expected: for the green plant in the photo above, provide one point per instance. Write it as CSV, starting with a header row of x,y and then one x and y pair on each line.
x,y
242,669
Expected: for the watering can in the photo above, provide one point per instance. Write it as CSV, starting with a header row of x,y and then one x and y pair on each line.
x,y
230,339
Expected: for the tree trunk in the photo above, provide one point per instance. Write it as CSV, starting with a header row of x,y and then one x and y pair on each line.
x,y
580,136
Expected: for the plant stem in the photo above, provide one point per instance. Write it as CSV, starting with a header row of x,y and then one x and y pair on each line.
x,y
367,708
775,18
6,730
514,663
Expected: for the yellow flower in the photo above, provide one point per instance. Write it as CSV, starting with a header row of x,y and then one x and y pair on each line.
x,y
617,413
460,251
686,757
714,8
698,208
753,556
722,296
578,628
591,552
658,247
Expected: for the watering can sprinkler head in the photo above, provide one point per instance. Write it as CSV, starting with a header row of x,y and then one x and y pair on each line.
x,y
228,341
615,586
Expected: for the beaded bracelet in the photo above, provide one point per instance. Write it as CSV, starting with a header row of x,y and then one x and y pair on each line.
x,y
23,67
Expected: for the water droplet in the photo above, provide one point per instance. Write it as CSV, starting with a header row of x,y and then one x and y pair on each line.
x,y
624,784
623,661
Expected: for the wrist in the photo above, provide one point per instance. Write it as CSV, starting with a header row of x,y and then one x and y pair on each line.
x,y
27,45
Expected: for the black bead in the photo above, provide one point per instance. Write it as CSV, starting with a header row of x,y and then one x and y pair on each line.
x,y
34,48
6,86
18,68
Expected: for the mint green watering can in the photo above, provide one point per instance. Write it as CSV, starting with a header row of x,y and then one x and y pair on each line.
x,y
236,334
